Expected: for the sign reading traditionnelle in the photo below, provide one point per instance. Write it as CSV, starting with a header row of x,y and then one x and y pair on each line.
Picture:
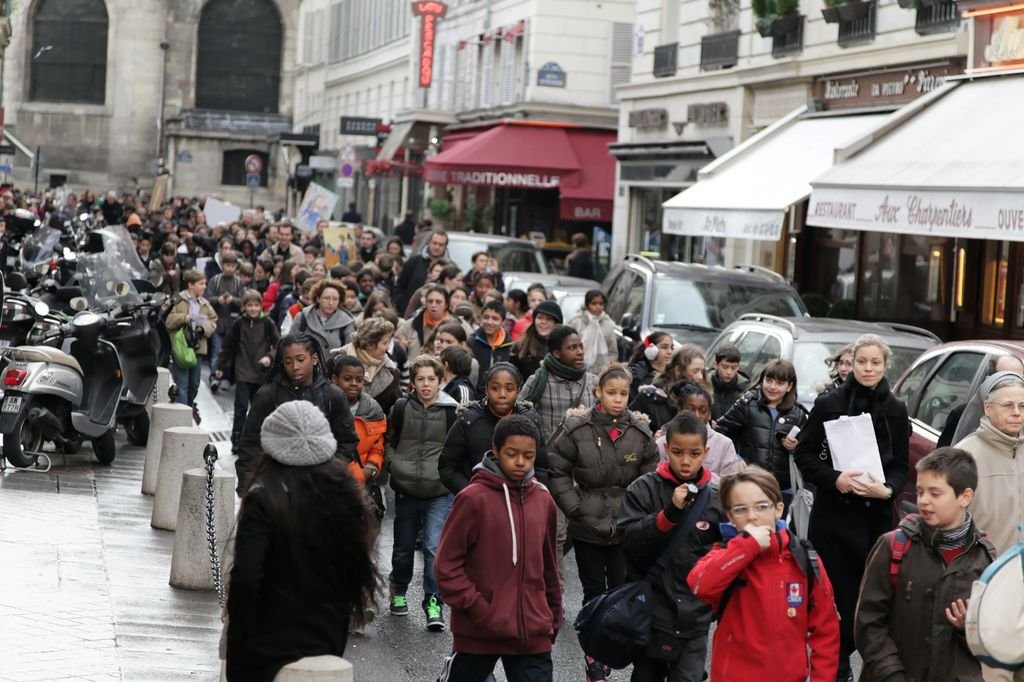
x,y
430,11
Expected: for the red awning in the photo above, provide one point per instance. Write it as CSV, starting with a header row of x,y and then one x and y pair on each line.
x,y
590,199
508,155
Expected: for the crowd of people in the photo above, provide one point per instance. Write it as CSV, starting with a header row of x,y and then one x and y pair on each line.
x,y
510,436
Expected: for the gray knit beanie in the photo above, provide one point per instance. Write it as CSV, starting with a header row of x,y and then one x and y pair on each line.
x,y
297,434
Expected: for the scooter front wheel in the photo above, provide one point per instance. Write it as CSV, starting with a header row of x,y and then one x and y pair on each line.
x,y
25,438
104,448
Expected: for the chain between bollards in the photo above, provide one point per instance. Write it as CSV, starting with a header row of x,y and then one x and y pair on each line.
x,y
210,457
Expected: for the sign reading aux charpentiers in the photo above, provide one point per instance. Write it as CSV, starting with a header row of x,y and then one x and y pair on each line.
x,y
429,11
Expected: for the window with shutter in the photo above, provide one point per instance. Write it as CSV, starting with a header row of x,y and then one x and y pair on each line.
x,y
448,78
508,71
620,60
307,38
487,75
334,39
471,81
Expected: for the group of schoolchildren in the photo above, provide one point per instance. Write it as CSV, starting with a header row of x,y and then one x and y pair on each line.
x,y
495,490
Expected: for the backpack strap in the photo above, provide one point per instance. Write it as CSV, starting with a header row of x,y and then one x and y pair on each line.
x,y
807,559
899,545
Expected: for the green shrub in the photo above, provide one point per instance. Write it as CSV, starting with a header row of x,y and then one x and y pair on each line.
x,y
787,6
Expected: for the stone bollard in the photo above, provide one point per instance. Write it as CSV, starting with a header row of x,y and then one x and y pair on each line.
x,y
163,384
164,417
190,563
182,450
316,669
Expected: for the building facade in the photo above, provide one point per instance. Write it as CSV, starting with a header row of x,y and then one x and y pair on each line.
x,y
104,89
705,80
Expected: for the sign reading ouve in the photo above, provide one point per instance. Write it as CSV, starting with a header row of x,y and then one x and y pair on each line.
x,y
430,11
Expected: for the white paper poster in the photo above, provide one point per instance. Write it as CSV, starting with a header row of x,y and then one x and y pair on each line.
x,y
851,440
217,212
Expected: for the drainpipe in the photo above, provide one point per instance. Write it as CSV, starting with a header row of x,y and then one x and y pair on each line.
x,y
161,121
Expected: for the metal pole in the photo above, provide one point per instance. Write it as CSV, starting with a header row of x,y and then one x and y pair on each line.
x,y
36,164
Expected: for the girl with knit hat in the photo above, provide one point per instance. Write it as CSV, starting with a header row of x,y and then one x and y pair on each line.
x,y
531,348
303,571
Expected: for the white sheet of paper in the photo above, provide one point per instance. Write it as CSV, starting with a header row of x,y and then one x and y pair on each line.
x,y
218,212
852,443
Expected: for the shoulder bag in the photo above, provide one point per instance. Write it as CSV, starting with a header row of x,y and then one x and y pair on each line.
x,y
615,627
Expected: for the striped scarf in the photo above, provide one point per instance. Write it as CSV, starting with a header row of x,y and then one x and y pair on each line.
x,y
956,537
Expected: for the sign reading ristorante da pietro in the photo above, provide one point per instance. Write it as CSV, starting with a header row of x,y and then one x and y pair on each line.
x,y
962,213
893,86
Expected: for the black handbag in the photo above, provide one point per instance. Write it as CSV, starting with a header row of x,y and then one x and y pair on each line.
x,y
615,627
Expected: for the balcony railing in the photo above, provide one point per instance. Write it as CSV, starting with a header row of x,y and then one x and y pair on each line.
x,y
941,17
859,31
790,42
665,60
719,50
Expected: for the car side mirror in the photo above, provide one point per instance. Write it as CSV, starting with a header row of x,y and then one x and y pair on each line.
x,y
631,326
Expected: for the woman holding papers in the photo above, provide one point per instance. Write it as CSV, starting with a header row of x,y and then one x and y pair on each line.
x,y
852,508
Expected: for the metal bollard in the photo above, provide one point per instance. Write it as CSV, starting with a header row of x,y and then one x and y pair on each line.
x,y
182,450
316,669
164,416
163,385
190,563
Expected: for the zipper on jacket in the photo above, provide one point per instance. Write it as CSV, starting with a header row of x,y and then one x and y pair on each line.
x,y
523,636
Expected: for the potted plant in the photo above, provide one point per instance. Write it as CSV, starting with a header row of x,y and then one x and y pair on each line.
x,y
830,11
775,17
851,10
441,210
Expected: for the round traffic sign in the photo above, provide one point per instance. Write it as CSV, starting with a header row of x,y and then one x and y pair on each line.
x,y
253,164
346,170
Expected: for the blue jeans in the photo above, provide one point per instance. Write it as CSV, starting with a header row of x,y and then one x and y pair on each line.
x,y
187,381
411,515
216,343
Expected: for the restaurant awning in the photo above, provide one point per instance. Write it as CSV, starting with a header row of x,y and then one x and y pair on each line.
x,y
948,165
534,155
746,192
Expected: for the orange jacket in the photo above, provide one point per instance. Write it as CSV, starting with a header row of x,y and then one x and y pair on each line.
x,y
371,446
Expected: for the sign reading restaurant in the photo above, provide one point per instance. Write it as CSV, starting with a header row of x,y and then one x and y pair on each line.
x,y
892,86
960,214
492,178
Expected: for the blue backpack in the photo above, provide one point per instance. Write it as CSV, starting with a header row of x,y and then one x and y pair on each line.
x,y
995,614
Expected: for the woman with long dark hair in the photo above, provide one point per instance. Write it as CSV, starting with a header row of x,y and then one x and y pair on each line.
x,y
529,350
650,358
852,508
297,373
303,569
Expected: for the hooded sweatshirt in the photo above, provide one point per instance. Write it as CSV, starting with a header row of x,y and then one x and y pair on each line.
x,y
998,506
497,565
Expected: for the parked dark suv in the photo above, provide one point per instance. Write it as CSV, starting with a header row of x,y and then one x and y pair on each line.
x,y
692,302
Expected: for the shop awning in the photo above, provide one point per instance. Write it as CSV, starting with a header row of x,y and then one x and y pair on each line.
x,y
746,192
948,165
590,199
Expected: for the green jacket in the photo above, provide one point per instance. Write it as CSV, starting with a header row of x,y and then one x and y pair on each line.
x,y
414,443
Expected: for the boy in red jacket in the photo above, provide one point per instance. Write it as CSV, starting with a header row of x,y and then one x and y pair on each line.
x,y
497,566
766,589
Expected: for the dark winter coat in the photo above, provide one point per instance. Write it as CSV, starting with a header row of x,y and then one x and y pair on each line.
x,y
249,339
526,364
757,436
646,522
325,395
497,566
654,402
590,472
226,313
726,393
643,374
269,624
411,278
414,443
906,635
486,356
461,389
472,435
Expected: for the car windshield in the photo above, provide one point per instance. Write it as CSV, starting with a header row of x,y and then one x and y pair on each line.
x,y
510,257
713,305
812,372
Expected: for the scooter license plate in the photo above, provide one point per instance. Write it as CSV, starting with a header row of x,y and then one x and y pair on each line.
x,y
12,403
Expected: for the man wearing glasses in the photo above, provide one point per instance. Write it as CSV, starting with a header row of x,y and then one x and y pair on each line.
x,y
998,505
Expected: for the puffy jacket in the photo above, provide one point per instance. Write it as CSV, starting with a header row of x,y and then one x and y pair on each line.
x,y
757,436
325,395
726,393
998,505
497,566
386,385
414,444
646,521
178,318
472,435
906,636
760,602
590,472
486,355
654,402
370,427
